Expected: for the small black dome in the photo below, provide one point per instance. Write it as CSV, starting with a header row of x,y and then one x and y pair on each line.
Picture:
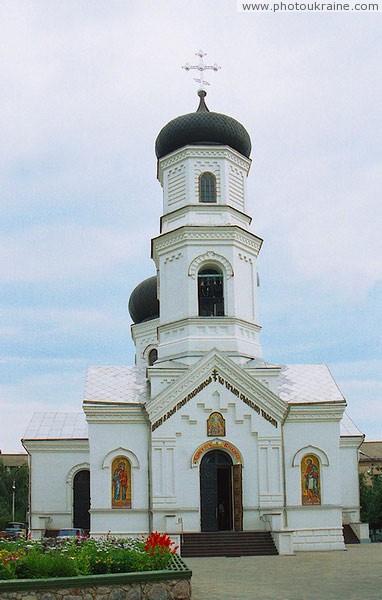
x,y
202,128
143,303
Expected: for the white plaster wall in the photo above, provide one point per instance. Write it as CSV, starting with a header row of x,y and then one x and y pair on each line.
x,y
179,176
179,291
52,472
194,337
177,490
245,282
145,338
349,482
174,294
108,440
204,214
322,435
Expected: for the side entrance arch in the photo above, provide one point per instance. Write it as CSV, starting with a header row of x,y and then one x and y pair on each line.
x,y
81,499
220,492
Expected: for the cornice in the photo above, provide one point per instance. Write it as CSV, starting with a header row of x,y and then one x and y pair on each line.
x,y
62,445
188,152
316,411
353,441
146,328
116,413
211,233
209,320
207,208
271,371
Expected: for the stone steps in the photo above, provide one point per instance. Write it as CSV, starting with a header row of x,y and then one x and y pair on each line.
x,y
228,543
349,535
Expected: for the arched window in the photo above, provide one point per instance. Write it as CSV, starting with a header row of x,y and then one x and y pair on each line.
x,y
207,187
310,480
153,355
210,293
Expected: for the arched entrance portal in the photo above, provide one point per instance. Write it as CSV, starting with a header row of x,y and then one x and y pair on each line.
x,y
218,499
81,499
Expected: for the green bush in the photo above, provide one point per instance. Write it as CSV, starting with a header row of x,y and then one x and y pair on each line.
x,y
24,559
6,571
35,565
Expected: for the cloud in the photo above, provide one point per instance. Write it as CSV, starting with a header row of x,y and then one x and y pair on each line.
x,y
62,252
361,384
81,103
57,390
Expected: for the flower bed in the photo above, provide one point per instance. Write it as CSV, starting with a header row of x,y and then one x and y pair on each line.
x,y
115,569
24,559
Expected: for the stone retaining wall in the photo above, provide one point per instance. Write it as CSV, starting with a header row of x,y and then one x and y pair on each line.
x,y
171,584
161,590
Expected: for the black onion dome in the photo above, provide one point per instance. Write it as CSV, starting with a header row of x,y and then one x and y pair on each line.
x,y
202,128
143,303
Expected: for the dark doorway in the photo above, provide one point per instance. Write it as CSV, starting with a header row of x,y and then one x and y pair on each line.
x,y
81,500
216,491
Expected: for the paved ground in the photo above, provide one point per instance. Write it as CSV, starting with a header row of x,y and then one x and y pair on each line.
x,y
352,575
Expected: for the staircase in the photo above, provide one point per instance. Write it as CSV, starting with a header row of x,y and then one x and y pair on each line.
x,y
349,535
228,543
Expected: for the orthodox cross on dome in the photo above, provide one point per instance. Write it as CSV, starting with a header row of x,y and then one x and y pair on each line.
x,y
201,67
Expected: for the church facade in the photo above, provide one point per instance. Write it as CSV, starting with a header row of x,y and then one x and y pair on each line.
x,y
202,433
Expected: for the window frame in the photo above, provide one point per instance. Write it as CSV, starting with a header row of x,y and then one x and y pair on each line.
x,y
214,192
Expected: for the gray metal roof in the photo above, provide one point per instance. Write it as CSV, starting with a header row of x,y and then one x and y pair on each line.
x,y
57,425
308,383
116,384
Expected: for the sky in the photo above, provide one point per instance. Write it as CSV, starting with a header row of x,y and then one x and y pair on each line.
x,y
86,86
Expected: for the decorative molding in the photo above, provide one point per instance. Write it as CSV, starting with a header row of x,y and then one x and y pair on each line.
x,y
227,233
210,256
311,416
148,348
117,419
246,258
84,466
310,450
224,322
217,444
58,445
123,412
110,456
192,152
265,400
69,483
173,257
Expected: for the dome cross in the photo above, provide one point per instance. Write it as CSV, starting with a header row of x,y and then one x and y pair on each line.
x,y
201,67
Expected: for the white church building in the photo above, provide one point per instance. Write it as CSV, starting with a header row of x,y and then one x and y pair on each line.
x,y
202,434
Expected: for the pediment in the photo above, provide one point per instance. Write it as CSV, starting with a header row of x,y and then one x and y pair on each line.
x,y
215,368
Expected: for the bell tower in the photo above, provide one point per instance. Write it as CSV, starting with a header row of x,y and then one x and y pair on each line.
x,y
205,254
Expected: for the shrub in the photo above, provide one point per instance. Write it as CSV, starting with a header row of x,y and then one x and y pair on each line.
x,y
23,559
35,565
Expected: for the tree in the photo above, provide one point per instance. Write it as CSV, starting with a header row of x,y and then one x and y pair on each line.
x,y
371,501
20,477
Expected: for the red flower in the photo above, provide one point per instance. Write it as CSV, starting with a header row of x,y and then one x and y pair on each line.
x,y
161,541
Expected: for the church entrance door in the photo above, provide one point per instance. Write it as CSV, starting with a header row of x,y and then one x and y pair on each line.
x,y
81,499
216,494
